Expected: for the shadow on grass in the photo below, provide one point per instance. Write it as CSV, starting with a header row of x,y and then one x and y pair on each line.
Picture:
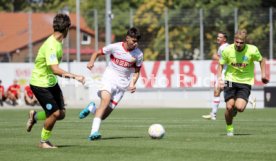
x,y
242,134
121,137
66,146
239,134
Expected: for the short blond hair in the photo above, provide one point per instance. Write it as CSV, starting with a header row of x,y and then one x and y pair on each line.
x,y
241,34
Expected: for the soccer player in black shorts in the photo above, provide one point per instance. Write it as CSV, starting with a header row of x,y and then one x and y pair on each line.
x,y
239,75
44,82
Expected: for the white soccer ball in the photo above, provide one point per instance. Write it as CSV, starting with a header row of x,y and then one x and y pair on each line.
x,y
156,131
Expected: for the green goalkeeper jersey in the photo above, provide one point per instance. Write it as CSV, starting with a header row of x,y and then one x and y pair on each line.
x,y
240,65
50,53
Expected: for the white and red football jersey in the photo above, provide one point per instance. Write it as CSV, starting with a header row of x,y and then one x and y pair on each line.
x,y
122,63
221,48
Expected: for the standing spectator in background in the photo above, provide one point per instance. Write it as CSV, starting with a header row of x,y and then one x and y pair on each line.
x,y
13,92
29,96
2,94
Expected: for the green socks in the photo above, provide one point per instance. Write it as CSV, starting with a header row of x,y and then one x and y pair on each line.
x,y
40,115
229,128
45,135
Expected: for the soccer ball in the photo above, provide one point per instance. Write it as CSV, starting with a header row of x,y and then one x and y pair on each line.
x,y
156,131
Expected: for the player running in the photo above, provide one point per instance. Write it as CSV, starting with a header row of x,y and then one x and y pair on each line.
x,y
222,41
120,75
239,76
44,83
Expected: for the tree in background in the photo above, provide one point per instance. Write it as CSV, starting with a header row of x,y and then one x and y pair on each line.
x,y
184,31
218,15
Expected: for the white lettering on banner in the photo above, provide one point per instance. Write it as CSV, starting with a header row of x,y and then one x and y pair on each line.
x,y
176,73
154,74
183,74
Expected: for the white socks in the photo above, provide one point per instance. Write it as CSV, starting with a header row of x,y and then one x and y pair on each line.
x,y
92,108
96,125
215,104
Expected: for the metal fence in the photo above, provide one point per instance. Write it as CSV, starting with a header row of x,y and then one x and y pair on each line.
x,y
190,34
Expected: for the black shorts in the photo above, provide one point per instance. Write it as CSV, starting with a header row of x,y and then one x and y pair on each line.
x,y
50,98
236,90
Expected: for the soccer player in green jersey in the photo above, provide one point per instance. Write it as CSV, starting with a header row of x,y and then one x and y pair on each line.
x,y
44,82
239,76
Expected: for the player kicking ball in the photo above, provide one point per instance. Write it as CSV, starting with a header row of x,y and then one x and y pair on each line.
x,y
120,75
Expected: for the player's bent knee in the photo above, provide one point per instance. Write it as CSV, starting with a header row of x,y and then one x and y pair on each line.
x,y
240,109
217,93
62,115
229,107
59,114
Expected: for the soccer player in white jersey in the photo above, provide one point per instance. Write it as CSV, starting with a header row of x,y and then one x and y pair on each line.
x,y
222,42
120,75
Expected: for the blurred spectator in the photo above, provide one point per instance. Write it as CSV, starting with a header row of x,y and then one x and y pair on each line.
x,y
13,93
29,96
2,94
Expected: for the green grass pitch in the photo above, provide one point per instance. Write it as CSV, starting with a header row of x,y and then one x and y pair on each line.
x,y
124,137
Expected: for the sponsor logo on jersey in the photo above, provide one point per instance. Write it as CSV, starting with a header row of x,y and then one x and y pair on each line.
x,y
244,58
122,62
239,65
53,57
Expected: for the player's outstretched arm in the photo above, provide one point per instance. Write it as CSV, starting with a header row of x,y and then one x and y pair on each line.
x,y
132,86
93,58
62,73
219,75
263,71
215,57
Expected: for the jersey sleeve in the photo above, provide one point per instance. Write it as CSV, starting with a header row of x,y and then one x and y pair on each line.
x,y
51,56
139,60
107,50
223,58
257,55
219,51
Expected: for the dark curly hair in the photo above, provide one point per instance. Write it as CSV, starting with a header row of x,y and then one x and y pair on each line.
x,y
134,33
61,22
